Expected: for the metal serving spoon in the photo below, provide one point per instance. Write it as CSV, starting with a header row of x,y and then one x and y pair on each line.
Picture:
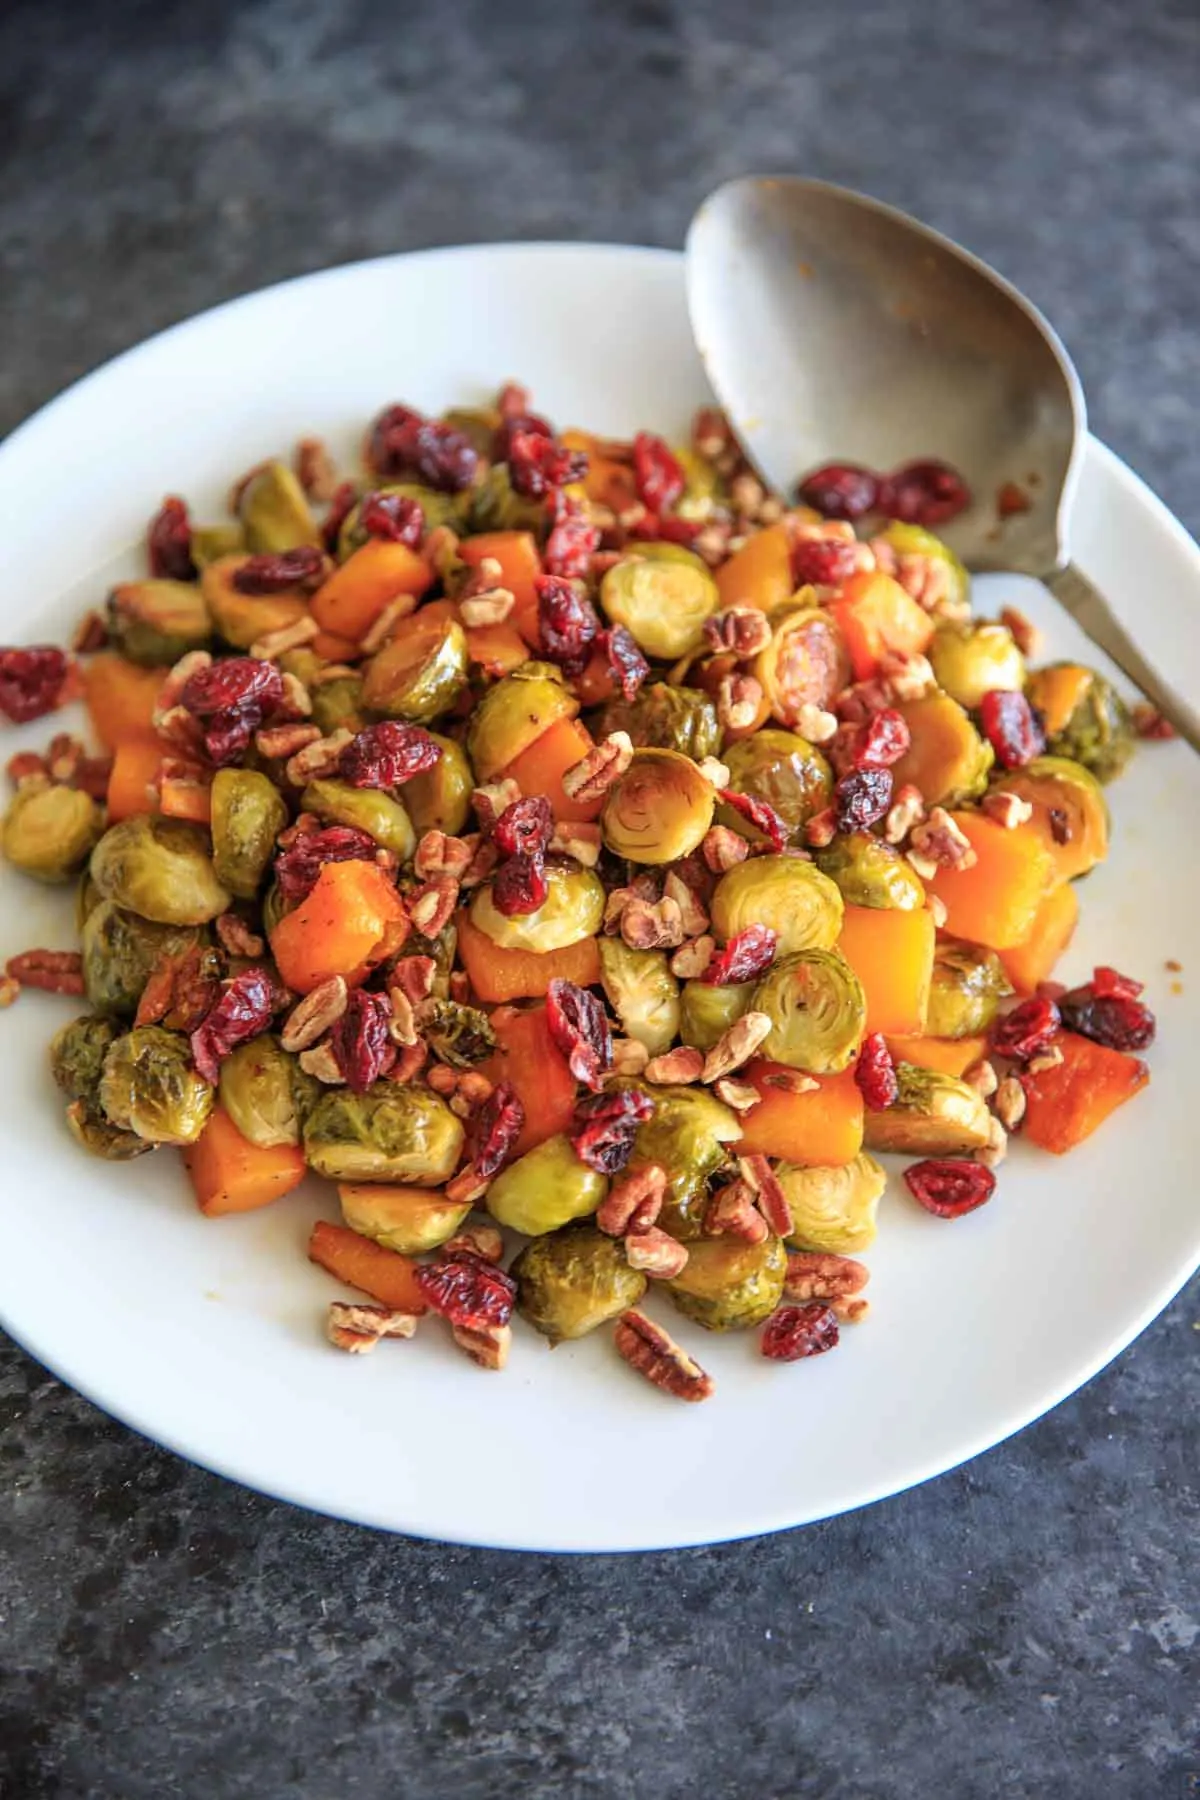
x,y
836,329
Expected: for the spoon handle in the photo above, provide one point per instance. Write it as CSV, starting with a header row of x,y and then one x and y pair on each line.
x,y
1090,611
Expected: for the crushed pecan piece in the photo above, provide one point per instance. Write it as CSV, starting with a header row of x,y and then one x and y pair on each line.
x,y
1008,810
731,1212
820,1275
487,1345
906,677
382,627
736,1046
91,633
629,1056
742,630
791,1081
849,1309
638,1195
817,725
489,607
1009,1102
236,936
51,971
296,702
494,799
288,637
176,680
468,1187
761,1178
319,757
1148,722
651,927
996,1148
939,843
10,990
413,978
315,470
723,849
655,1253
438,854
431,907
579,840
692,915
1025,634
312,1017
442,1079
402,1026
322,1064
1049,1058
592,777
821,829
482,1240
683,1064
716,773
739,1096
647,1348
410,1060
693,957
739,698
982,1077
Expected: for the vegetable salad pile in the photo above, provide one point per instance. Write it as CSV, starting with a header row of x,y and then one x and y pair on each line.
x,y
538,832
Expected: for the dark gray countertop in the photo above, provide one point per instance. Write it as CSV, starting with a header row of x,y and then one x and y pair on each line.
x,y
1027,1626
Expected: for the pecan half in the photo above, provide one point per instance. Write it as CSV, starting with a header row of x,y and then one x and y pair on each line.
x,y
51,971
355,1326
639,1195
820,1275
283,741
413,976
600,768
731,1212
655,1253
438,854
723,849
742,630
431,907
736,1046
312,1017
759,1176
647,1348
236,936
939,843
683,1064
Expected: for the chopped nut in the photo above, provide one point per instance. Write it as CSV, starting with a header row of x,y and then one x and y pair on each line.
x,y
374,1322
850,1309
743,630
314,1015
288,637
907,810
402,1026
656,1253
484,857
579,840
442,1079
382,628
600,768
64,756
820,829
640,1194
468,1186
91,633
736,1046
1148,722
982,1077
10,990
821,1275
939,843
647,927
996,1148
1009,1102
1025,634
1049,1058
296,700
487,1345
715,772
791,1081
683,1064
815,724
629,1056
491,607
493,799
1008,810
236,936
647,1348
714,542
315,470
50,971
906,677
27,769
723,849
358,1343
939,912
693,957
177,728
438,854
747,493
692,915
926,578
322,1063
413,978
739,1096
474,1088
731,1212
431,907
331,672
320,756
739,698
486,1241
761,1178
176,680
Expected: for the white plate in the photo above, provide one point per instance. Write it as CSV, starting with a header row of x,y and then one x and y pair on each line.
x,y
207,1335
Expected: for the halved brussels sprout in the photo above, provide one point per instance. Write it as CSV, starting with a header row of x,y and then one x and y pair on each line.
x,y
659,809
265,1092
49,832
572,910
248,813
1097,733
663,602
729,1285
495,505
338,705
915,540
573,1280
408,1219
274,512
933,1115
95,1135
514,713
547,1187
390,1133
706,1012
148,1086
833,1209
666,718
439,509
459,1035
782,769
77,1053
156,622
379,814
869,872
968,661
1070,813
801,905
817,1008
87,899
968,985
420,674
209,543
120,952
160,869
440,800
642,992
686,1135
241,619
805,663
946,759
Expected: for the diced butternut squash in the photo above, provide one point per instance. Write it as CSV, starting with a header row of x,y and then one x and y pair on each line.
x,y
232,1175
608,481
520,566
820,1129
760,573
497,974
352,918
527,1056
332,648
385,1275
950,1056
877,617
1060,689
1032,961
996,900
120,698
540,768
132,785
595,684
349,603
1065,1104
185,792
498,649
891,952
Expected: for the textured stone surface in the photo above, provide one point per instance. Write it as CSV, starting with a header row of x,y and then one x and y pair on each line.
x,y
1023,1627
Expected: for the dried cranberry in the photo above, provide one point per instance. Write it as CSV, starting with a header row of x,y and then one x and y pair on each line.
x,y
1012,727
927,493
573,539
764,818
1110,984
524,827
494,1128
169,542
401,442
605,1127
657,472
626,664
359,1040
537,464
227,736
823,562
243,1010
397,517
840,490
883,740
949,1188
31,681
235,681
669,528
875,1073
525,424
1025,1030
298,867
519,885
389,441
388,754
1116,1020
745,956
345,499
567,621
579,1027
274,573
862,798
795,1332
468,1291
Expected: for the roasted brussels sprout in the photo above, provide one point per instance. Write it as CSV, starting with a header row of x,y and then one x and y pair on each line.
x,y
248,813
545,1188
390,1133
801,905
915,540
94,1134
1096,731
968,985
933,1115
87,899
265,1092
160,869
156,622
241,619
659,809
729,1285
970,660
459,1035
514,714
946,759
782,769
573,1280
420,674
408,1219
49,832
440,800
805,663
706,1012
663,602
209,543
833,1209
817,1008
869,872
666,718
495,505
274,512
77,1053
686,1135
148,1086
120,952
439,509
572,910
642,992
1070,813
379,814
338,705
